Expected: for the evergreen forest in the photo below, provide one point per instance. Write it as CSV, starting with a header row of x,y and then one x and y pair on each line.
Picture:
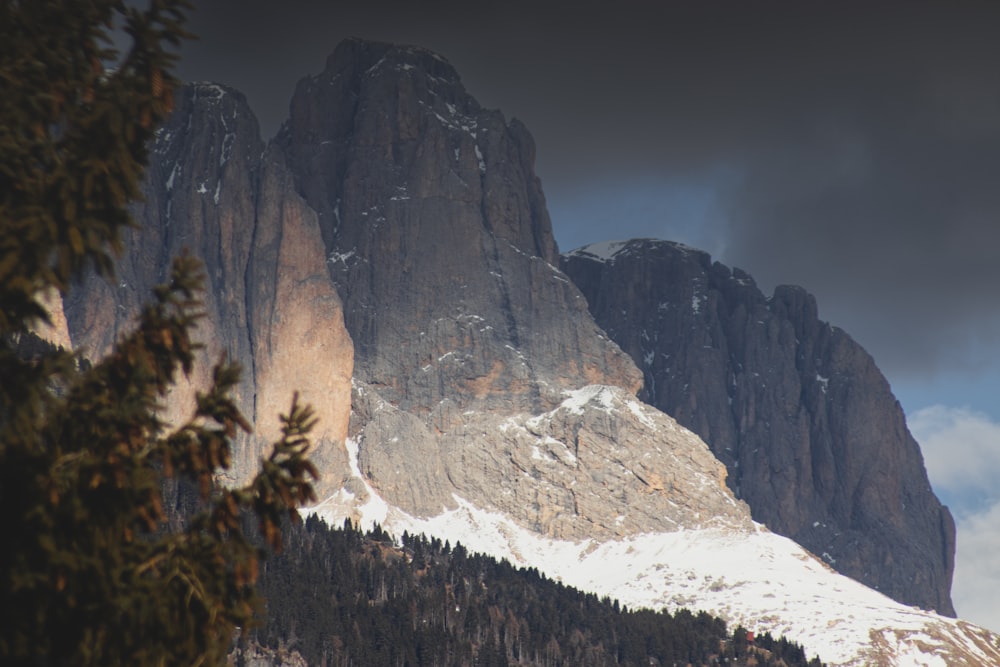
x,y
342,597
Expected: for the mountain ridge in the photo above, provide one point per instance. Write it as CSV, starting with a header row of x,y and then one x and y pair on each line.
x,y
806,424
434,269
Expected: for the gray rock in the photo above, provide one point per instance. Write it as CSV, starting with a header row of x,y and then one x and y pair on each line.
x,y
807,426
392,203
269,302
439,241
599,466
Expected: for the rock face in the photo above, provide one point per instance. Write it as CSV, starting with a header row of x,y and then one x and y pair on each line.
x,y
440,246
268,301
296,324
599,466
438,240
393,207
810,433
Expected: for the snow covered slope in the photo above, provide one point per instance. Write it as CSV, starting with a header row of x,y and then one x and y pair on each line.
x,y
759,579
737,570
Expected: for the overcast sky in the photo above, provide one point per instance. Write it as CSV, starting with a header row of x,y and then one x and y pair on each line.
x,y
852,148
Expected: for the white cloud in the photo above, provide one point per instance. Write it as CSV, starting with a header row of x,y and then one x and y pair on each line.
x,y
962,452
977,569
961,449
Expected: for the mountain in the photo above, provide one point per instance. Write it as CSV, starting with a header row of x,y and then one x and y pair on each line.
x,y
213,190
811,435
424,602
723,563
439,240
389,254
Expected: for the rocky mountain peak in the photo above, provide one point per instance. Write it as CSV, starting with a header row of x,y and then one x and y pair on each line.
x,y
438,239
805,423
212,192
355,56
397,224
406,106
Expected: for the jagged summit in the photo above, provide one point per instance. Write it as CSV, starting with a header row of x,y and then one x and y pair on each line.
x,y
396,223
608,251
356,54
438,239
807,426
212,190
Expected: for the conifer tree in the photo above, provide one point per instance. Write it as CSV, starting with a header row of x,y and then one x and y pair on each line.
x,y
89,572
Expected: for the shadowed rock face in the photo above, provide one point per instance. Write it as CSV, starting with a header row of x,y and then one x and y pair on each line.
x,y
810,433
269,303
392,203
438,240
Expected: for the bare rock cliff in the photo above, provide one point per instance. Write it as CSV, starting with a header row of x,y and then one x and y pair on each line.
x,y
809,431
438,240
389,255
210,191
296,320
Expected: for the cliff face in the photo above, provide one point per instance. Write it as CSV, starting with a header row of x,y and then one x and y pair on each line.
x,y
268,301
296,321
438,240
393,207
809,431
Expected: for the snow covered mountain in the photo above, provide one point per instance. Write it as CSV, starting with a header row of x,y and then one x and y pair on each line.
x,y
390,254
702,557
811,435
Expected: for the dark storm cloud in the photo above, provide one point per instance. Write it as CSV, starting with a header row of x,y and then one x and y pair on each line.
x,y
852,147
883,198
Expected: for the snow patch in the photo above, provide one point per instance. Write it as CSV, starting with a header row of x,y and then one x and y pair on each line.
x,y
341,257
479,158
174,173
227,148
604,251
211,90
640,413
371,71
748,576
598,394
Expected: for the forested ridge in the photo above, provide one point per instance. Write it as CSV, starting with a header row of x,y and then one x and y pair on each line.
x,y
343,597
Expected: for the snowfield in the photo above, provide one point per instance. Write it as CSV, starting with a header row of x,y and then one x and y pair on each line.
x,y
757,578
741,572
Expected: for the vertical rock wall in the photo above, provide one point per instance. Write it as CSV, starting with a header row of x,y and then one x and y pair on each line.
x,y
392,206
208,193
438,240
810,433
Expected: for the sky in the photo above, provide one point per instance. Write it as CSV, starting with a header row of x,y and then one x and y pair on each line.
x,y
852,148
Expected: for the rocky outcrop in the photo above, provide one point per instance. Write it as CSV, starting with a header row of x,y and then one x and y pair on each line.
x,y
438,240
268,300
296,321
599,466
199,198
809,431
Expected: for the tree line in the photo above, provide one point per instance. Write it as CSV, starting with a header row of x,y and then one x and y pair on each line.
x,y
343,597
